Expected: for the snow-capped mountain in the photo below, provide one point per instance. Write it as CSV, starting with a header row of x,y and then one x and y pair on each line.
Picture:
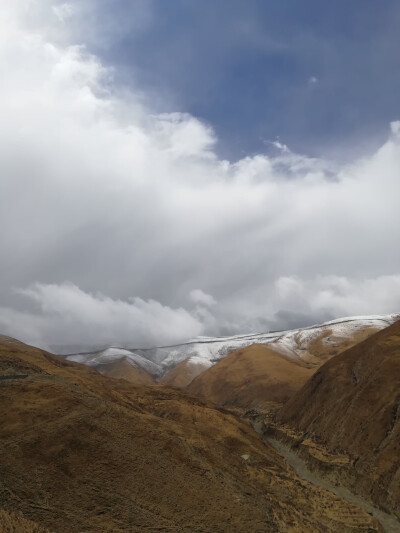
x,y
305,344
112,354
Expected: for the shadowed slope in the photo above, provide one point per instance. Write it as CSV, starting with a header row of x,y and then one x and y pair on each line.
x,y
351,406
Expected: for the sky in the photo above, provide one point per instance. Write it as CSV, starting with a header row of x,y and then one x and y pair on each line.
x,y
182,168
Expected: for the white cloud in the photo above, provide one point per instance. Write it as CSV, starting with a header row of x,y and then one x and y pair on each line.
x,y
67,314
395,128
199,297
64,11
341,296
99,189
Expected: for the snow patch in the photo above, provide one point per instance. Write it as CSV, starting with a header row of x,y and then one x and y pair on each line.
x,y
206,351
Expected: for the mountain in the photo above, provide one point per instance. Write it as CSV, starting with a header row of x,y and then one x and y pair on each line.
x,y
259,375
347,418
120,363
179,364
252,377
184,373
123,369
82,452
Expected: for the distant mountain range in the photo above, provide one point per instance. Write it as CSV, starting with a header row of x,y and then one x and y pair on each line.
x,y
179,364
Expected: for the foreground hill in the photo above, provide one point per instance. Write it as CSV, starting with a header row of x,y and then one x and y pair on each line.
x,y
81,452
347,418
178,365
252,377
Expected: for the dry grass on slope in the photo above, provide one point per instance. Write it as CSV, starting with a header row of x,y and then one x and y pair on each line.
x,y
81,452
122,369
251,377
312,350
13,523
351,406
327,345
182,374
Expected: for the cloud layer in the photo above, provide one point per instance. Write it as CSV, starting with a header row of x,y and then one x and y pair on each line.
x,y
121,223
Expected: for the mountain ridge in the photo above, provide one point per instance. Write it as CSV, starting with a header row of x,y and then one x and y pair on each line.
x,y
204,352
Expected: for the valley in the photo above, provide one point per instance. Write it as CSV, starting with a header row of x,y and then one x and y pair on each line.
x,y
81,451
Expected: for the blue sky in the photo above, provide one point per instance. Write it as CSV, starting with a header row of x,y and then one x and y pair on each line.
x,y
317,74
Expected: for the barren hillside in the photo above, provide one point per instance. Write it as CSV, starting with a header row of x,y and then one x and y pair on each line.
x,y
81,452
350,409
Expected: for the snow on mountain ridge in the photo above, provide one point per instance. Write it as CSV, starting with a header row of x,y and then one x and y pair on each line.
x,y
111,354
206,351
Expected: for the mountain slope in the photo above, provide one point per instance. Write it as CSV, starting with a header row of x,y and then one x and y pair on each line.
x,y
81,452
351,407
252,377
312,345
123,369
183,373
114,356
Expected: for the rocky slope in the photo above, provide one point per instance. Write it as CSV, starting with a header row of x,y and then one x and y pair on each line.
x,y
81,452
346,418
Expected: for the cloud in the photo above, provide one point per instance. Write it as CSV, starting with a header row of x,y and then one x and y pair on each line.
x,y
64,11
100,189
395,128
199,297
338,295
65,313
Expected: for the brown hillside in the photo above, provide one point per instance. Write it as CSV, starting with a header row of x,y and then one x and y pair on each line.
x,y
351,406
81,452
122,369
324,343
311,350
251,377
182,374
